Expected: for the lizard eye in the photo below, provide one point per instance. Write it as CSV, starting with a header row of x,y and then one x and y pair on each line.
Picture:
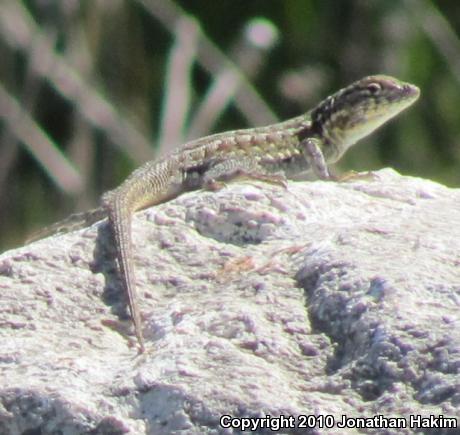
x,y
374,88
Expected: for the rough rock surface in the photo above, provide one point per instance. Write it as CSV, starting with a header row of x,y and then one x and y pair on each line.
x,y
326,299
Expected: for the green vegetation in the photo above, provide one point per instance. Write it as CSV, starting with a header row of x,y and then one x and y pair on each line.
x,y
91,89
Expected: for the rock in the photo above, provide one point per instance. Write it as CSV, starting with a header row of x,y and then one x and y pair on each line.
x,y
334,300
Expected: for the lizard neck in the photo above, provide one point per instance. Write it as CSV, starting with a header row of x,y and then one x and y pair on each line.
x,y
329,124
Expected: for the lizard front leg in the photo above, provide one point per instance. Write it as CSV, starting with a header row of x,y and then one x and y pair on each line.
x,y
312,151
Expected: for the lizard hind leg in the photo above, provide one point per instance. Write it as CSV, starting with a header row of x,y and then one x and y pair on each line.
x,y
240,169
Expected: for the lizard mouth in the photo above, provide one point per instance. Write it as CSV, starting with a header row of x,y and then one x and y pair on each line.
x,y
411,91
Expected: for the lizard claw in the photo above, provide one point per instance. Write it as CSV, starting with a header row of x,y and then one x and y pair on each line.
x,y
353,175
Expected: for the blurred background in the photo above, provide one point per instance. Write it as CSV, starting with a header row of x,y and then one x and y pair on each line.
x,y
91,89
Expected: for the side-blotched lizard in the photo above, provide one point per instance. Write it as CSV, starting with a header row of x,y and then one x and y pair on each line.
x,y
307,143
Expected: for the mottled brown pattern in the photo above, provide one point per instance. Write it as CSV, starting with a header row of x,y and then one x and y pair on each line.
x,y
307,143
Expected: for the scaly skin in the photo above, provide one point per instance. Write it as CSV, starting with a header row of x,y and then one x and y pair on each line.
x,y
307,143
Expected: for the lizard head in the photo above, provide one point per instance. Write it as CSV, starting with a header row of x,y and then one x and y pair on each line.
x,y
357,110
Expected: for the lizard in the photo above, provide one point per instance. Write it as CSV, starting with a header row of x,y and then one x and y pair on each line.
x,y
305,144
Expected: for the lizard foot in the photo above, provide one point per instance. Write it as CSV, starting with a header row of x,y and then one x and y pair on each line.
x,y
353,175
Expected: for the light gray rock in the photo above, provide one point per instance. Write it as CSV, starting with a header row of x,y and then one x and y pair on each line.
x,y
326,299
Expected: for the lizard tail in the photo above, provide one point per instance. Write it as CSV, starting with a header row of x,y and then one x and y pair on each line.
x,y
72,223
